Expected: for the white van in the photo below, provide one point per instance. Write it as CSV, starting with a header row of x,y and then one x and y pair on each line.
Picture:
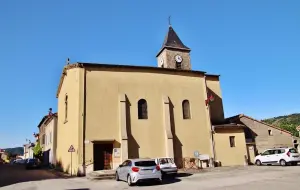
x,y
167,166
282,156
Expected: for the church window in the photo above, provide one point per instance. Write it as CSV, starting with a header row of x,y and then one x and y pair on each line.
x,y
142,109
66,108
186,109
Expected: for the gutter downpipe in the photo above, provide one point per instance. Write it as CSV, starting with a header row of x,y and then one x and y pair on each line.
x,y
84,121
211,131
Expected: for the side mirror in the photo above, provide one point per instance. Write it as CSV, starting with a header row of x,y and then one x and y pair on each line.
x,y
120,165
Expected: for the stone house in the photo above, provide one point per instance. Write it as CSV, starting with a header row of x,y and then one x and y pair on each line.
x,y
260,136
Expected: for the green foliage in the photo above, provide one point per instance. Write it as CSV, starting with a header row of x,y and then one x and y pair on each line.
x,y
15,151
287,122
37,150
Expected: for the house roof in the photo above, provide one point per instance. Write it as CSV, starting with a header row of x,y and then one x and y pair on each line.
x,y
229,126
234,118
212,75
46,118
233,126
173,41
131,67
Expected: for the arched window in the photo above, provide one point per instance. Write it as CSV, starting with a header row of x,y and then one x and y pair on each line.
x,y
66,108
186,109
142,109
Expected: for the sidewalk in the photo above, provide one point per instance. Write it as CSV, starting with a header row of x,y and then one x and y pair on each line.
x,y
58,173
215,169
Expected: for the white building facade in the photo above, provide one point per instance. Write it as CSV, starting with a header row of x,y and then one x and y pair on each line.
x,y
28,150
49,139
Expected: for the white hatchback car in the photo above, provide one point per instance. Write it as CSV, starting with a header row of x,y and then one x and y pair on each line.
x,y
282,156
138,170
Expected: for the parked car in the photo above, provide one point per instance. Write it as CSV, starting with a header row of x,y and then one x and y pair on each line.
x,y
282,156
32,163
20,161
138,170
167,166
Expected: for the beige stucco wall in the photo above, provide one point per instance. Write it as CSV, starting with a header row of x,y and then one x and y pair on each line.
x,y
28,152
263,139
230,156
102,111
42,136
70,132
216,107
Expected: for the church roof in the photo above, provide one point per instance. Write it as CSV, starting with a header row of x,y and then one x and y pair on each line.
x,y
173,41
128,67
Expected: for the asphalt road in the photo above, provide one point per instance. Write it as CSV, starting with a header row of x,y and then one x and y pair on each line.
x,y
12,174
240,178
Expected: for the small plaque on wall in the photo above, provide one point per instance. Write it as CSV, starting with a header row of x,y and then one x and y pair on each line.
x,y
117,152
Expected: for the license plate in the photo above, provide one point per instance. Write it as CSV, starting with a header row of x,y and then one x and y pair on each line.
x,y
147,171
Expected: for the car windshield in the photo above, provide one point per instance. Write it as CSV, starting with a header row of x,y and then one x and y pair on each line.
x,y
293,150
145,163
166,160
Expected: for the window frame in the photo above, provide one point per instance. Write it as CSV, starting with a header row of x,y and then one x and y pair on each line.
x,y
270,132
232,141
66,103
142,109
186,109
178,65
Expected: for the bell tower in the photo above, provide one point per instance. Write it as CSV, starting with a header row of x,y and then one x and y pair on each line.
x,y
173,53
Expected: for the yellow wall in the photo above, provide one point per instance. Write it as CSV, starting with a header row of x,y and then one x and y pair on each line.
x,y
103,89
216,107
230,156
70,132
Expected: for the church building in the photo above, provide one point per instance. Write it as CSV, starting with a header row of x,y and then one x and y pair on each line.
x,y
110,113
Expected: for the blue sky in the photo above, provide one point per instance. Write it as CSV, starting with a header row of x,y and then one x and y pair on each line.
x,y
254,45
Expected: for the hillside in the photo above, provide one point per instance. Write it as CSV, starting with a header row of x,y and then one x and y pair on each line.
x,y
287,122
15,151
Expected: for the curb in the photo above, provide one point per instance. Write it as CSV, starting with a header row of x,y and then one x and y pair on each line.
x,y
58,173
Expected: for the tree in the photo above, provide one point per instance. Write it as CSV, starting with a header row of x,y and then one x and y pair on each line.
x,y
37,150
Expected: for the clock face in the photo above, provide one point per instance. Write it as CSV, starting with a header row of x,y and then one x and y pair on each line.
x,y
178,58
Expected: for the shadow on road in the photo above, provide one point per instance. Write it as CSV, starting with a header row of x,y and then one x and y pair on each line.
x,y
167,180
164,182
12,174
179,175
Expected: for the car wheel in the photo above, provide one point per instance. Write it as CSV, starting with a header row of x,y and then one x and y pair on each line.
x,y
159,181
282,162
129,180
117,177
258,162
